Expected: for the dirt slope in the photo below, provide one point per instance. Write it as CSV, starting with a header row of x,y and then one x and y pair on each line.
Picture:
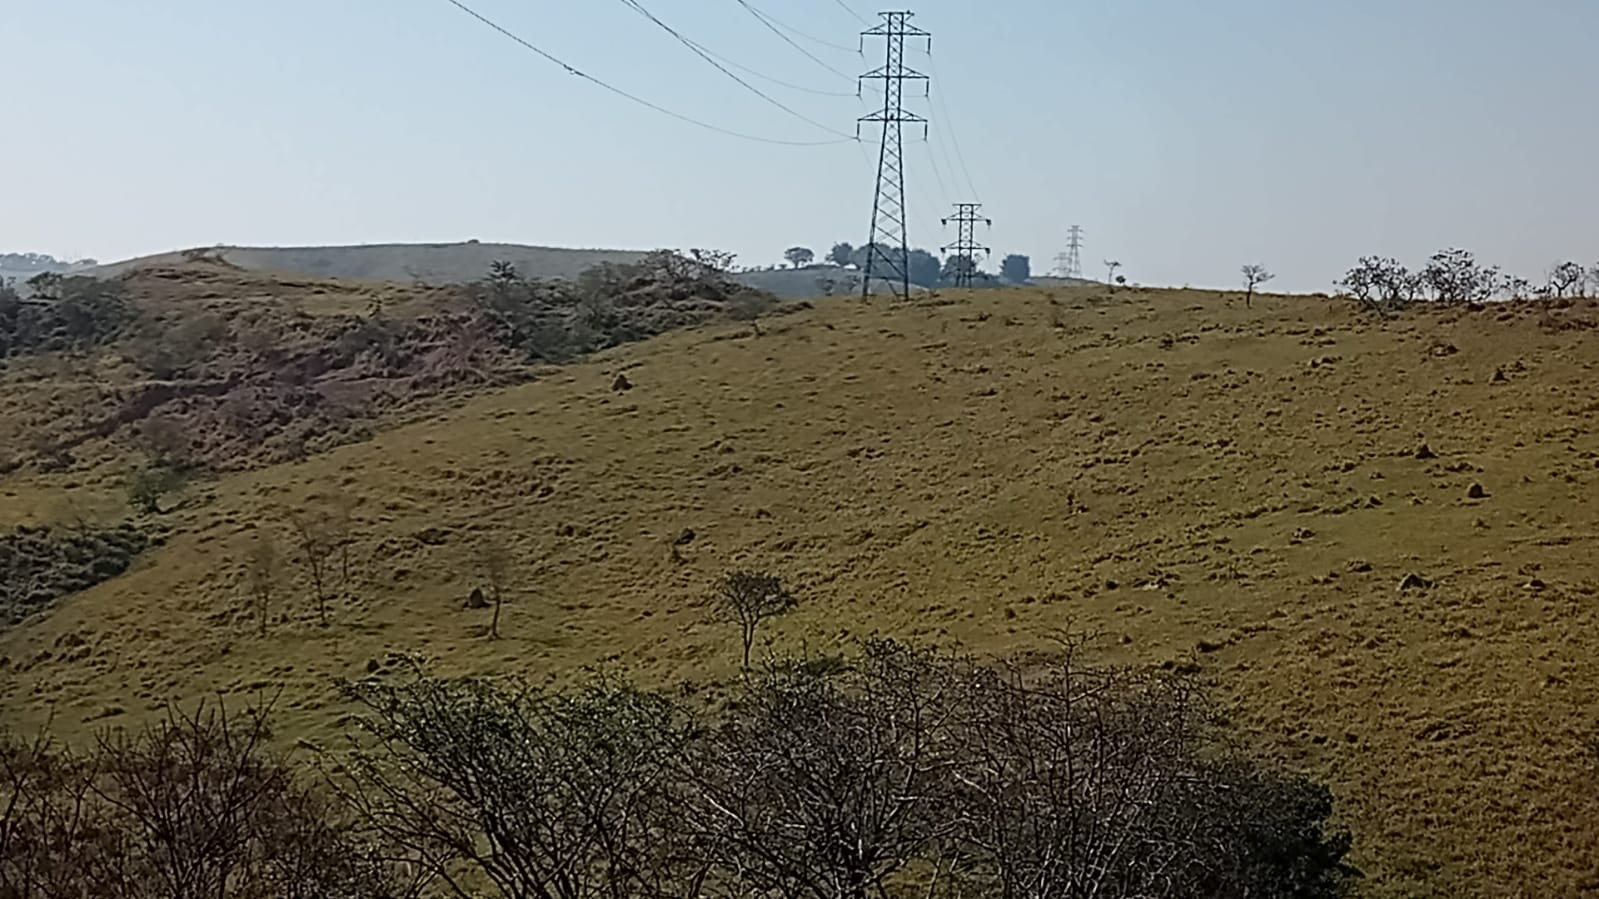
x,y
1204,485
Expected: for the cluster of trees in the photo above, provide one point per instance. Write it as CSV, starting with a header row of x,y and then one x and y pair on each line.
x,y
610,304
36,263
196,806
1455,276
890,771
66,312
926,269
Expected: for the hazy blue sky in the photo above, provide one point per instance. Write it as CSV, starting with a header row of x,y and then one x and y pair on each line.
x,y
1187,137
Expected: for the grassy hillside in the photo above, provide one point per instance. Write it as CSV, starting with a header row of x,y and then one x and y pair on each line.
x,y
1375,539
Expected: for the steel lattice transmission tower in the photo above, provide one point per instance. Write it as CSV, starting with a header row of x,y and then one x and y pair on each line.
x,y
1070,263
965,245
887,247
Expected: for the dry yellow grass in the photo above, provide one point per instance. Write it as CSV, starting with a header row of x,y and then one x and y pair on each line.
x,y
1203,484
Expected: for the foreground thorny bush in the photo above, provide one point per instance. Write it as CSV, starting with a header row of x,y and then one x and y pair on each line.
x,y
196,806
900,772
892,772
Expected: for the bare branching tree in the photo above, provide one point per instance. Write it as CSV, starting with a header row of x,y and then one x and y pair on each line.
x,y
551,796
494,561
1382,284
46,837
829,782
1255,275
193,807
262,571
341,533
889,771
1515,287
748,598
314,548
1455,276
1566,278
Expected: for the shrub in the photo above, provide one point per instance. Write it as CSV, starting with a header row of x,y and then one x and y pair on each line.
x,y
146,486
195,807
894,770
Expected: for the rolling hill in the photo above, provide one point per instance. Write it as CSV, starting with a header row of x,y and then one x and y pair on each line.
x,y
1374,539
433,264
443,264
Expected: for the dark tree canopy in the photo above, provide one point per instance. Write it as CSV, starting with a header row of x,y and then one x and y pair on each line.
x,y
1016,268
924,268
799,257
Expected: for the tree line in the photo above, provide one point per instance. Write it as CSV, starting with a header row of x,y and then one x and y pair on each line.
x,y
1452,276
925,268
891,770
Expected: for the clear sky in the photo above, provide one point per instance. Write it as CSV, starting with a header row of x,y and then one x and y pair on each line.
x,y
1186,137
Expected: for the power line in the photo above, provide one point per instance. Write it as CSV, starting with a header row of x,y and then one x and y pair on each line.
x,y
777,81
635,5
851,10
772,26
950,125
767,18
573,70
938,176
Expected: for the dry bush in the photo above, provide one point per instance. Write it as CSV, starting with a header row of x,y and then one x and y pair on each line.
x,y
195,807
557,796
895,771
262,573
831,782
316,539
493,559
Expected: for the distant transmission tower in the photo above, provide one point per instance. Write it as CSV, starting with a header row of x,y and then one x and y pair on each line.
x,y
1070,263
888,249
965,245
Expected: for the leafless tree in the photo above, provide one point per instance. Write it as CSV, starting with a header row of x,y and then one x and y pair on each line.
x,y
1565,276
193,807
341,533
829,782
1515,287
1382,284
1455,276
494,561
314,546
1110,270
887,771
46,834
261,574
748,598
1255,275
550,796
